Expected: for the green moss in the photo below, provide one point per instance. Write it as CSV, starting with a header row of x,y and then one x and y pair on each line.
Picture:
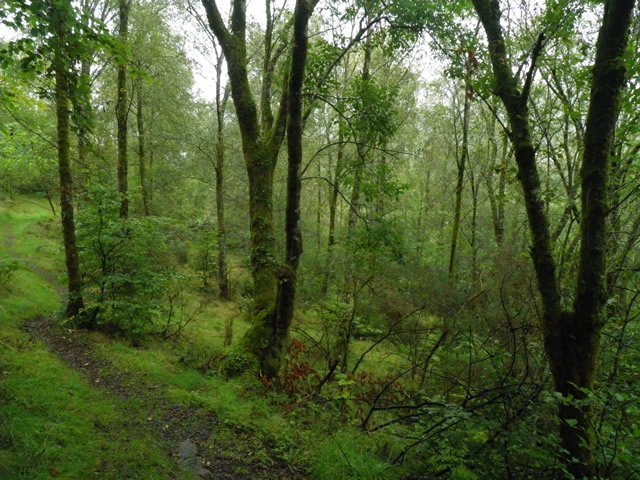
x,y
52,421
239,361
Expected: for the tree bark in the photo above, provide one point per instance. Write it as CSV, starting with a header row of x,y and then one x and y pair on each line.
x,y
516,106
142,157
287,274
333,204
261,142
122,108
61,66
358,171
496,199
83,112
221,100
461,164
260,145
473,242
361,150
609,74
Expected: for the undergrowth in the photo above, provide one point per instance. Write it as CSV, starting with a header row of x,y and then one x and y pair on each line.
x,y
55,424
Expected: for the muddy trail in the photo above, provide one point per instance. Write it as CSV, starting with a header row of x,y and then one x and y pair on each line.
x,y
198,440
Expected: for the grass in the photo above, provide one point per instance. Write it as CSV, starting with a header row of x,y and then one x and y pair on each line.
x,y
349,456
244,405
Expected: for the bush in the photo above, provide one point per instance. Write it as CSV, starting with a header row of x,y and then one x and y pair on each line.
x,y
127,264
205,258
348,455
237,362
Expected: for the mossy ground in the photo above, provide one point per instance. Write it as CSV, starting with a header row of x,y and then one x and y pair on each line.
x,y
57,423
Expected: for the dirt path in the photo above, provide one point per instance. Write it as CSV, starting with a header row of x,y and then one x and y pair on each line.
x,y
189,434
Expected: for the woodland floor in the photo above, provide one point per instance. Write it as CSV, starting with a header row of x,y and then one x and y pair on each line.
x,y
187,434
69,412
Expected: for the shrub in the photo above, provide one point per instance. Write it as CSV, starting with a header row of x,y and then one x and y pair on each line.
x,y
237,362
127,264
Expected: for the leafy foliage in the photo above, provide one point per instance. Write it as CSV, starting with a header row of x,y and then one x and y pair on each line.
x,y
128,266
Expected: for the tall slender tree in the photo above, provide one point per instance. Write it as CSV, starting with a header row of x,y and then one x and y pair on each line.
x,y
59,16
287,273
142,150
463,159
122,108
222,96
262,136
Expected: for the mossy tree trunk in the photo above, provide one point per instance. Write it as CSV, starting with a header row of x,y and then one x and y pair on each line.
x,y
355,207
333,204
83,114
93,11
142,155
221,103
571,338
261,141
496,194
61,68
461,163
287,273
362,151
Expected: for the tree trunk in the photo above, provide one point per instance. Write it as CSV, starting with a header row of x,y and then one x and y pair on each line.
x,y
461,163
333,203
473,242
61,66
287,274
122,109
50,200
260,146
318,210
83,113
142,158
361,150
496,199
358,171
609,74
221,100
261,142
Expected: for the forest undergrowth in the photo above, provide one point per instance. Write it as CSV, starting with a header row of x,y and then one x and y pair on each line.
x,y
78,404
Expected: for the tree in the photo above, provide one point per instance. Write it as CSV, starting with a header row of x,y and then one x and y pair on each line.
x,y
287,280
142,151
122,108
571,338
261,141
221,103
463,158
94,14
59,17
